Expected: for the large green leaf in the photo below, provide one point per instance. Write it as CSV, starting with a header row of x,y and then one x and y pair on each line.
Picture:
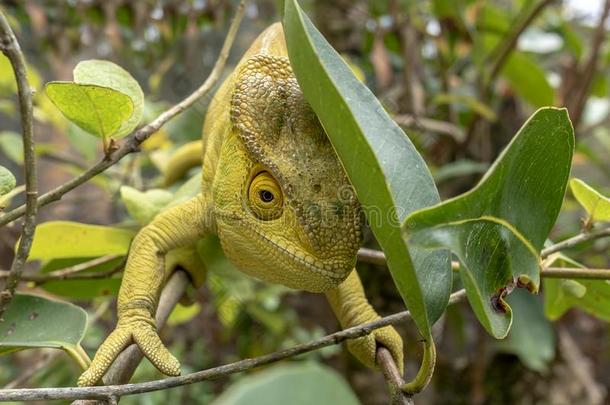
x,y
101,111
12,146
596,204
144,205
7,180
296,384
32,322
64,239
528,79
498,228
592,296
531,337
83,289
389,176
107,74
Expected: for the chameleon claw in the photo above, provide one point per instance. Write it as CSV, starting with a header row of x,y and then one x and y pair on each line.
x,y
110,349
140,331
149,342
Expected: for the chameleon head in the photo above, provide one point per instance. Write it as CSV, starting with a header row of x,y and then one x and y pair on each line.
x,y
285,210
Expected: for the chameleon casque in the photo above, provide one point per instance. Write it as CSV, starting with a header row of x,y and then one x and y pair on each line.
x,y
274,192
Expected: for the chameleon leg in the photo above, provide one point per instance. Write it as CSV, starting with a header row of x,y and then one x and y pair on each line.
x,y
141,286
352,308
187,258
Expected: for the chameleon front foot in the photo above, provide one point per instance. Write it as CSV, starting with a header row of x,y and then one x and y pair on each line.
x,y
133,327
365,348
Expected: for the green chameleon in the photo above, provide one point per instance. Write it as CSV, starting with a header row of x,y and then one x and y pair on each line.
x,y
274,192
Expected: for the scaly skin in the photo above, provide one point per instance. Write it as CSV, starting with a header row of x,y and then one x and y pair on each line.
x,y
274,192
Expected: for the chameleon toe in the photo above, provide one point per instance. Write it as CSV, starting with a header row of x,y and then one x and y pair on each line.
x,y
154,350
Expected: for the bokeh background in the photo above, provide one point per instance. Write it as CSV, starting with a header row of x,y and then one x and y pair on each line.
x,y
428,62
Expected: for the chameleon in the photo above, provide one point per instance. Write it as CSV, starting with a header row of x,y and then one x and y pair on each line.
x,y
275,193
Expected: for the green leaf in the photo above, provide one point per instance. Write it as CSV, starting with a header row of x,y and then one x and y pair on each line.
x,y
34,322
459,168
182,314
82,289
8,84
107,74
295,384
143,206
472,103
389,176
64,239
12,146
592,296
531,337
187,190
596,205
7,180
101,111
498,228
528,79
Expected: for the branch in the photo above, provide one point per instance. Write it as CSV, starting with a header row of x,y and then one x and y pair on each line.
x,y
73,272
498,57
133,141
378,257
575,272
578,100
114,391
575,240
392,375
502,51
10,47
432,125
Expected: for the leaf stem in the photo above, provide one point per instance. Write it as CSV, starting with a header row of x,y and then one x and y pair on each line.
x,y
426,370
79,355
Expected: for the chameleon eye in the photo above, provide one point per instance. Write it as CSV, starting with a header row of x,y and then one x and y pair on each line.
x,y
265,196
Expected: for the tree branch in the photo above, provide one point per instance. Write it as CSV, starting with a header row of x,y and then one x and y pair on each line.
x,y
577,99
432,125
501,52
575,272
575,240
114,391
10,47
72,272
133,141
392,375
378,257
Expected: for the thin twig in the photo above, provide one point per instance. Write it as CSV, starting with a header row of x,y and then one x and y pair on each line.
x,y
575,240
72,272
10,47
575,272
578,97
500,54
432,125
105,392
393,378
46,359
378,257
133,141
497,59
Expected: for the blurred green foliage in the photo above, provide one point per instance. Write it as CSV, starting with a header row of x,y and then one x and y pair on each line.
x,y
429,63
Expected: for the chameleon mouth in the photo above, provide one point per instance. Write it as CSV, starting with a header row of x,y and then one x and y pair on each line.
x,y
335,273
